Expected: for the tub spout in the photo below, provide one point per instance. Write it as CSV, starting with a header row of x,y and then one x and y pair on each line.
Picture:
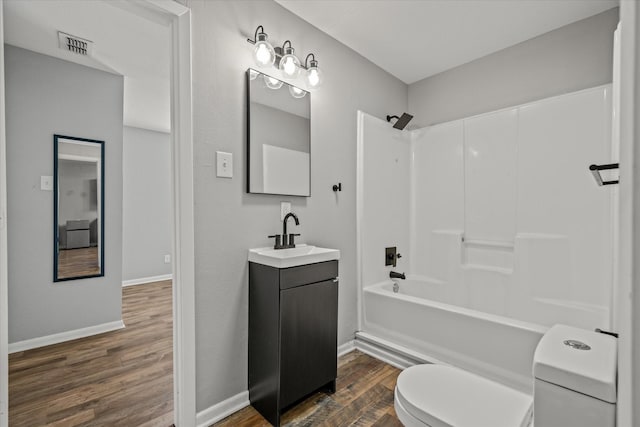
x,y
395,275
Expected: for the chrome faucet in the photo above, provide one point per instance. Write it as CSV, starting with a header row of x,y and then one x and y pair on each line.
x,y
288,241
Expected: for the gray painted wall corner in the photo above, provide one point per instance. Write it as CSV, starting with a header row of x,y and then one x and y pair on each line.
x,y
576,56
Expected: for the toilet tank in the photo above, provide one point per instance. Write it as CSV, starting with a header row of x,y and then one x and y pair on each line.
x,y
575,379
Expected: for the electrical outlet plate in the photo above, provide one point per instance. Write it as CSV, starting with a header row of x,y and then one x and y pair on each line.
x,y
46,183
285,208
167,259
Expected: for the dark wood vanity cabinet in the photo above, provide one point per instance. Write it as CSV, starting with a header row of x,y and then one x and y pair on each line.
x,y
293,323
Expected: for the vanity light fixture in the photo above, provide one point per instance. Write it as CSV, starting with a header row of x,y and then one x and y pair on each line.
x,y
285,59
264,54
314,75
289,63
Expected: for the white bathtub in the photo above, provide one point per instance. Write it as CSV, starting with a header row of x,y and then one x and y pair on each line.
x,y
493,346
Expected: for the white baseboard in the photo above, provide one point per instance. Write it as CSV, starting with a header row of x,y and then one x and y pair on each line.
x,y
393,354
347,347
143,280
65,336
223,409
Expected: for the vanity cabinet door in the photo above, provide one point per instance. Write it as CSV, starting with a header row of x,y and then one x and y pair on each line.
x,y
308,339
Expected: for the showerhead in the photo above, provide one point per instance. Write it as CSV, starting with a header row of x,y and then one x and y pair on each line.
x,y
401,121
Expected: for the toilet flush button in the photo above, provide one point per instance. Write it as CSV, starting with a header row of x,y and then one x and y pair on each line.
x,y
578,345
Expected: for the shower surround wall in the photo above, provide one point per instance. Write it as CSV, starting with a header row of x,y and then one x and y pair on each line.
x,y
498,213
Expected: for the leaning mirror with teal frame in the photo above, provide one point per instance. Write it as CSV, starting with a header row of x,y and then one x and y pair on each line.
x,y
78,208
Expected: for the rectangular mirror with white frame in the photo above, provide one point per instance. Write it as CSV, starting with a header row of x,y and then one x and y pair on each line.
x,y
278,137
78,184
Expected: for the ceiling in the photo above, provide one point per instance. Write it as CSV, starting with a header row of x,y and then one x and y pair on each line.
x,y
411,39
415,39
127,41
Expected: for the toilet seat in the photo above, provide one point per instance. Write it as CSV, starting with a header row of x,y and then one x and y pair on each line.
x,y
444,396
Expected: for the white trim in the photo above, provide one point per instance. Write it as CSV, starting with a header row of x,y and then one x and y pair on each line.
x,y
393,354
628,305
359,213
347,347
145,280
4,318
184,324
223,409
65,336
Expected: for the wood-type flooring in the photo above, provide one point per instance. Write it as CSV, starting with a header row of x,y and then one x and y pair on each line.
x,y
363,397
119,378
78,262
124,378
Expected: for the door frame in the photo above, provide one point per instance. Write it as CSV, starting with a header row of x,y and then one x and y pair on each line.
x,y
4,278
178,18
628,298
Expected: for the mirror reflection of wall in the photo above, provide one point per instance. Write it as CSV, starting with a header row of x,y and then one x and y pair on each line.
x,y
279,142
78,208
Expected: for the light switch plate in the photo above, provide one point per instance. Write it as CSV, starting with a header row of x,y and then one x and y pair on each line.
x,y
285,208
46,183
224,164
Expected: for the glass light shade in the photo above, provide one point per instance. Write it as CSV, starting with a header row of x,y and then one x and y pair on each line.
x,y
314,77
297,92
272,83
290,64
263,53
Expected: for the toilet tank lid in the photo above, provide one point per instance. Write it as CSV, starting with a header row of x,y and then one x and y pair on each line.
x,y
588,371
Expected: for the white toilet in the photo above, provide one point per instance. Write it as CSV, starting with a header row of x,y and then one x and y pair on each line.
x,y
575,386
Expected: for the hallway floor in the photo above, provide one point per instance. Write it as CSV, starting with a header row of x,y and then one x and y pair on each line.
x,y
363,397
119,378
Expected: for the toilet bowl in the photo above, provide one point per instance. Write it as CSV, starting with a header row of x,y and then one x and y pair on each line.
x,y
444,396
575,386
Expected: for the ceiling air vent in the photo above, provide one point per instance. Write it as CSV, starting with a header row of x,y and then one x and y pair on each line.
x,y
74,44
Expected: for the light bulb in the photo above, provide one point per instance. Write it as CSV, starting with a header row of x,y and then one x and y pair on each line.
x,y
272,83
314,75
264,54
289,63
296,92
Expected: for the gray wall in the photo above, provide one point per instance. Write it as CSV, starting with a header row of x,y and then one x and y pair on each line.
x,y
574,57
146,205
228,221
45,96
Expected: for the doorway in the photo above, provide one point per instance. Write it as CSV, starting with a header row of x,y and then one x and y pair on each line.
x,y
177,18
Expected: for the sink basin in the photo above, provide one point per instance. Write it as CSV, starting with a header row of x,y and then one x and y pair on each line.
x,y
300,255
